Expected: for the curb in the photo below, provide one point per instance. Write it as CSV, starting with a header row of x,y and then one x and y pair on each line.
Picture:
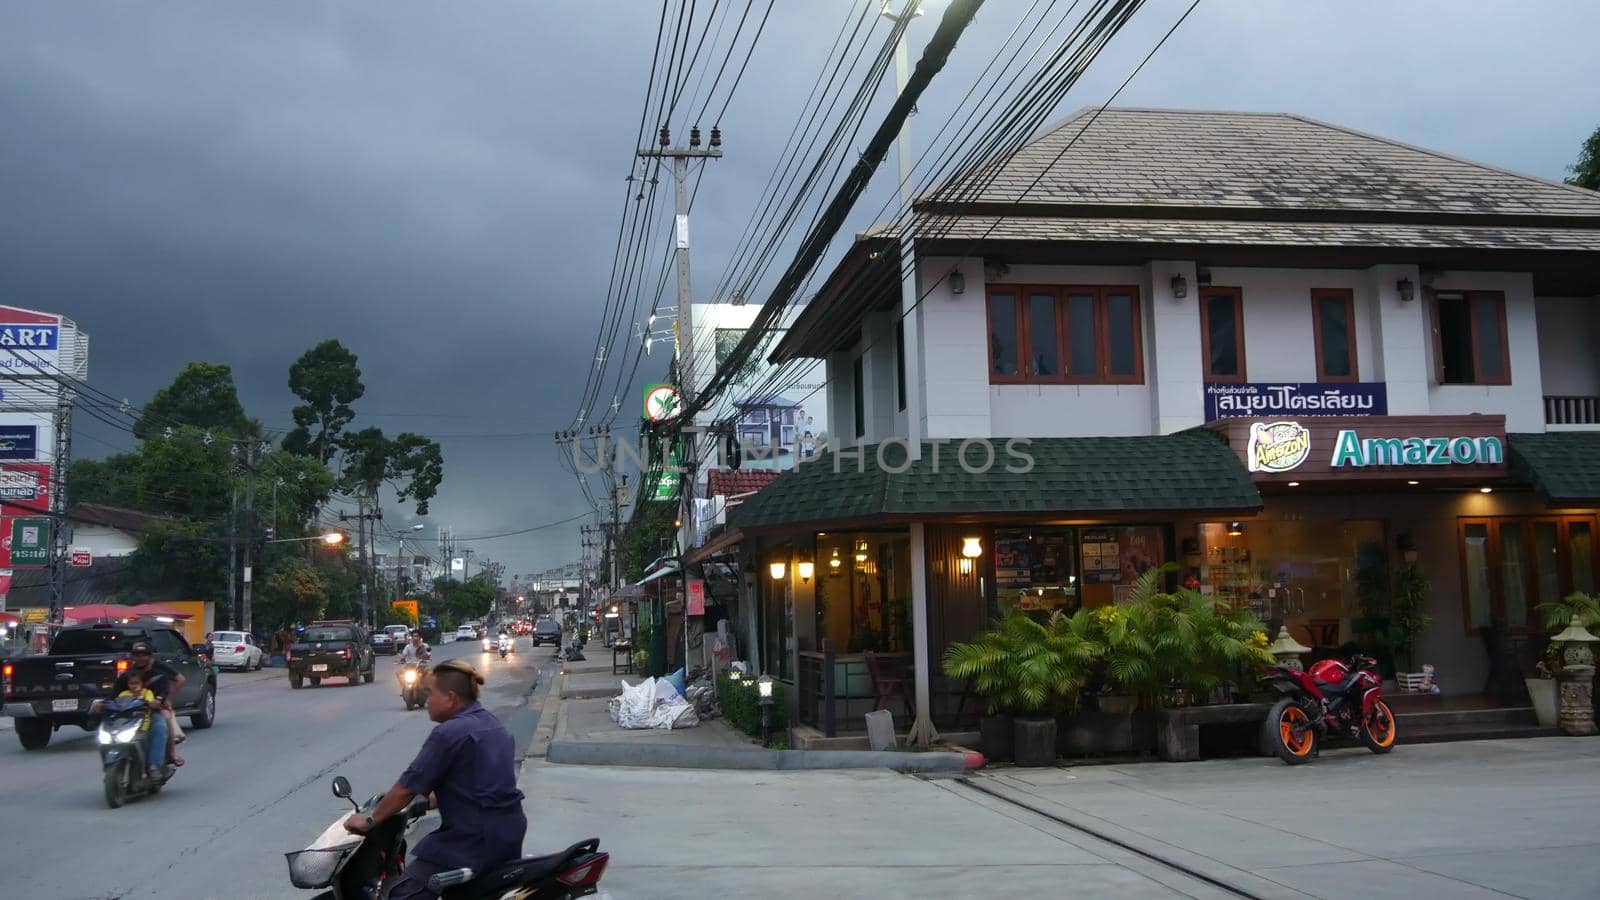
x,y
549,721
680,756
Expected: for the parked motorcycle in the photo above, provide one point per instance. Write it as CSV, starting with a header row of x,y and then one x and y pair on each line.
x,y
1340,700
125,751
413,677
350,866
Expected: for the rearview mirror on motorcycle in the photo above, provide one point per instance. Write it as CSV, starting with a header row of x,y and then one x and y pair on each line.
x,y
341,787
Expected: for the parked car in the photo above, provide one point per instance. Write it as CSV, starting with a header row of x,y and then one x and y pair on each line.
x,y
546,631
235,650
383,642
43,693
338,649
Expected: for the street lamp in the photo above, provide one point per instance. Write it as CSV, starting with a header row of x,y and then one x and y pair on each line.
x,y
764,688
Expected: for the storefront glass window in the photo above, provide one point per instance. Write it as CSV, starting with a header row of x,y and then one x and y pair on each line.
x,y
863,591
1546,564
1315,576
1475,539
1513,577
1581,540
1060,568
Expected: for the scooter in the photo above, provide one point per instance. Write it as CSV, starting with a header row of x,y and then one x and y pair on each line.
x,y
413,678
350,866
505,646
125,751
353,866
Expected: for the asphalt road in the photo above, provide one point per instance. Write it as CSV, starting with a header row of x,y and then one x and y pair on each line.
x,y
256,785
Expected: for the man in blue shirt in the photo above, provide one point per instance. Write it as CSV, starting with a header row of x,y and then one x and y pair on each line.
x,y
467,770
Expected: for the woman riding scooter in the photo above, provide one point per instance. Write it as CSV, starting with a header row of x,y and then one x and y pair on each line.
x,y
412,672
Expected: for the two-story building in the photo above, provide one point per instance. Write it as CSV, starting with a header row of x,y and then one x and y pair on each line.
x,y
1284,355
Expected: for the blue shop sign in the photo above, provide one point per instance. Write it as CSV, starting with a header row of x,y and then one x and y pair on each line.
x,y
1259,399
19,442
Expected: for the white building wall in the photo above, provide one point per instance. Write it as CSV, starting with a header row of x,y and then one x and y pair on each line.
x,y
103,542
1279,340
1569,355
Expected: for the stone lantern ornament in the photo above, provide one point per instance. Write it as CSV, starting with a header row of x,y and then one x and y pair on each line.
x,y
1577,679
1286,650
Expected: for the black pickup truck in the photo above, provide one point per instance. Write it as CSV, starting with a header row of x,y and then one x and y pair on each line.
x,y
43,693
332,650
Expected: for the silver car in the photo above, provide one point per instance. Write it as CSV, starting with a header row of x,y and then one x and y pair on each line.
x,y
235,650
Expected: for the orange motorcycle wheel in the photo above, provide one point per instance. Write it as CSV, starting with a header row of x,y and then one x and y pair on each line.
x,y
1378,728
1294,738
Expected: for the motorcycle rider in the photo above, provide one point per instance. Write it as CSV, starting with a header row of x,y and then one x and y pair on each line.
x,y
416,649
467,770
163,681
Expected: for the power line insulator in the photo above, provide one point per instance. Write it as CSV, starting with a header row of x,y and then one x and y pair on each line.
x,y
716,137
694,136
666,137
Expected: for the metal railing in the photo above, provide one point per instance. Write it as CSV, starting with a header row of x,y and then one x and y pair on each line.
x,y
1571,410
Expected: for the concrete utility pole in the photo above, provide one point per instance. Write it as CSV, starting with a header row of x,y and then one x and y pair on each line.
x,y
233,559
60,528
367,573
252,458
680,157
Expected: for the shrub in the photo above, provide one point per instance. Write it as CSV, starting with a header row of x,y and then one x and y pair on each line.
x,y
1022,666
741,705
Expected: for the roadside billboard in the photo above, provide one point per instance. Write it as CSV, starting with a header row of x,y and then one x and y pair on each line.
x,y
776,420
30,342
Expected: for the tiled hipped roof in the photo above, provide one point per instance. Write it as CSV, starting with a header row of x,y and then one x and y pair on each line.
x,y
734,482
1564,466
1189,470
1245,161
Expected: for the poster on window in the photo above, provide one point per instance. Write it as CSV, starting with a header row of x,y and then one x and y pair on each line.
x,y
1012,560
1052,559
1142,549
1102,560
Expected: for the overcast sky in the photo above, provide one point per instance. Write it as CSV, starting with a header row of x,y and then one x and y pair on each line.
x,y
437,184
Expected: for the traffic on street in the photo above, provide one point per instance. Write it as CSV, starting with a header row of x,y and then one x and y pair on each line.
x,y
254,786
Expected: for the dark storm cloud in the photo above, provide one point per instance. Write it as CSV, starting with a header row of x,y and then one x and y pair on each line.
x,y
438,185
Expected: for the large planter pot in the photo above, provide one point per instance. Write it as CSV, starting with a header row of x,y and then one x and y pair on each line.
x,y
1119,704
995,735
1546,694
1106,734
1035,742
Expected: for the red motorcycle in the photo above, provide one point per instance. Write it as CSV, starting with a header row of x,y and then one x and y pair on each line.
x,y
1335,700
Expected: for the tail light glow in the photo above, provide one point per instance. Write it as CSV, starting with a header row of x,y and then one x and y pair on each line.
x,y
5,679
349,651
122,666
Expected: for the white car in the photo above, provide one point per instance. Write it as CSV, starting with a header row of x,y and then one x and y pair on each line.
x,y
466,633
236,650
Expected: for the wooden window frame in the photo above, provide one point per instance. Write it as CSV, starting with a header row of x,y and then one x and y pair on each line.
x,y
1017,292
1530,576
1022,295
1348,296
1504,378
1206,293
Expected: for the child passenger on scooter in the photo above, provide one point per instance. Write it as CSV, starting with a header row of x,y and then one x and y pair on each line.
x,y
137,691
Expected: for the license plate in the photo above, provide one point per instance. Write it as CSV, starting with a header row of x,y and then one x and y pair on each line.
x,y
64,706
320,667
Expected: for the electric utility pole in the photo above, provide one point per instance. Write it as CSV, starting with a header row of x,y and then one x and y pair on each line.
x,y
680,157
252,458
361,518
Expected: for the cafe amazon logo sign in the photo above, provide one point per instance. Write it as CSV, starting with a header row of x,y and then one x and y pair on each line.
x,y
1277,446
1354,451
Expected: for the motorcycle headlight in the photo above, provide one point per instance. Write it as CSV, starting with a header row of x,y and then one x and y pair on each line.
x,y
410,676
104,736
118,734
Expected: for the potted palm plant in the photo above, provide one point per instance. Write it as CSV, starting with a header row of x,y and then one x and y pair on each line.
x,y
1025,671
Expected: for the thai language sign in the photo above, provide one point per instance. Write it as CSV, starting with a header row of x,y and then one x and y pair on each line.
x,y
1260,400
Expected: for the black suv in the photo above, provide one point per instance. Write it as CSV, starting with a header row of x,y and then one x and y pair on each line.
x,y
546,631
332,650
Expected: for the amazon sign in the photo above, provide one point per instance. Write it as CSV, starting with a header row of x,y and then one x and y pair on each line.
x,y
1372,448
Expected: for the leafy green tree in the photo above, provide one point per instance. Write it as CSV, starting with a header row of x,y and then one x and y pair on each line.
x,y
1586,171
462,600
204,396
296,591
409,463
327,378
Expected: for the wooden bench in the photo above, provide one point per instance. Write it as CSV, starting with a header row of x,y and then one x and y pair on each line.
x,y
1178,730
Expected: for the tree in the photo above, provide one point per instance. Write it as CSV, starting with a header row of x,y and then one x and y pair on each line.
x,y
204,396
297,591
1586,171
411,464
463,600
327,379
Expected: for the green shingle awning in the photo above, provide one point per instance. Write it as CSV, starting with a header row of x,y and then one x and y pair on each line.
x,y
1190,470
1564,466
